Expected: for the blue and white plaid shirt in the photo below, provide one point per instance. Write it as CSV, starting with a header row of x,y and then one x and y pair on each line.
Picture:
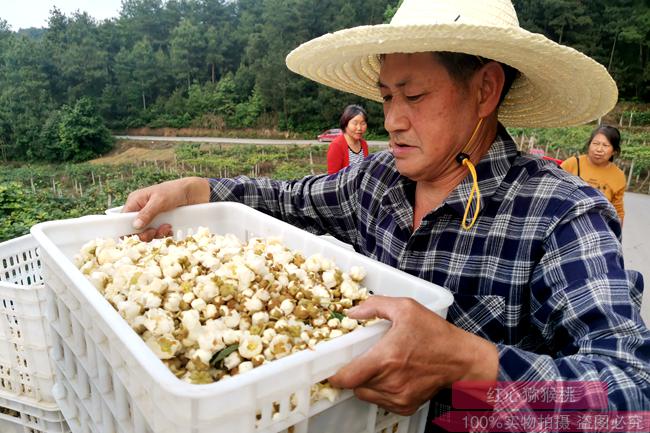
x,y
540,274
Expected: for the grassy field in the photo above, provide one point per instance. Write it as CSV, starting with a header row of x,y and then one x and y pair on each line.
x,y
33,193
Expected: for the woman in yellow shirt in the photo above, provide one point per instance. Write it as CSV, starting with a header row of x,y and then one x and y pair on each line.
x,y
597,167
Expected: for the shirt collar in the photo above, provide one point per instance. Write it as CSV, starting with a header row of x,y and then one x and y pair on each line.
x,y
490,170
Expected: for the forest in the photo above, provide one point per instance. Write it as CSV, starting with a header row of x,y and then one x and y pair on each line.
x,y
219,64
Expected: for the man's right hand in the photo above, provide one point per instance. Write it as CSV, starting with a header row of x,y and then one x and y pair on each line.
x,y
152,200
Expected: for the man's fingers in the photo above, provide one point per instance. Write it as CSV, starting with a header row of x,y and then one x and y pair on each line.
x,y
382,307
153,207
164,231
147,235
387,401
136,201
356,373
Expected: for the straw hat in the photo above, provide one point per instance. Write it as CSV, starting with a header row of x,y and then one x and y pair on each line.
x,y
558,86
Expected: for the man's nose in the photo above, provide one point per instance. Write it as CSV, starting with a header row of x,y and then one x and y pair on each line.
x,y
395,117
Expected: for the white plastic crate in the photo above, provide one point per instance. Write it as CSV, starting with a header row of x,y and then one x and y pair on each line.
x,y
18,417
25,369
109,381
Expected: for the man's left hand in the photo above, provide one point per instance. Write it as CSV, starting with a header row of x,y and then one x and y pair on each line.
x,y
419,355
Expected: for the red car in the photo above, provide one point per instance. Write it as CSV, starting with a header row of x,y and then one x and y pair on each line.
x,y
329,135
555,160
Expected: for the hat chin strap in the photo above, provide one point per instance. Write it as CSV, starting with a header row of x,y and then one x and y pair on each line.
x,y
475,194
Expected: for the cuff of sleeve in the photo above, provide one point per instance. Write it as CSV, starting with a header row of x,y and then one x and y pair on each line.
x,y
516,364
521,369
221,190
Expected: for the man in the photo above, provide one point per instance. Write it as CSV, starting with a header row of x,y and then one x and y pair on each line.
x,y
534,262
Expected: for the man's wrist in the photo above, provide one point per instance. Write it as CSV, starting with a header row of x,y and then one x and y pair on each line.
x,y
197,190
483,361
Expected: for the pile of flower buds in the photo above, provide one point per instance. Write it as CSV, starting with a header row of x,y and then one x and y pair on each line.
x,y
211,307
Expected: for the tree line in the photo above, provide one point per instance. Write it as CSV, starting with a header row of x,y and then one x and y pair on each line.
x,y
220,64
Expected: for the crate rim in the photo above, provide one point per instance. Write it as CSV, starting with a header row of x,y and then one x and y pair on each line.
x,y
19,244
39,405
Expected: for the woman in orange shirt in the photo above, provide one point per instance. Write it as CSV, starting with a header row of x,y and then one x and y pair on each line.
x,y
350,147
597,167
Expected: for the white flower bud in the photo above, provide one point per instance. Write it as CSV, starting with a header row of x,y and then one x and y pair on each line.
x,y
267,335
349,324
321,294
333,323
281,325
350,289
170,266
329,393
99,280
164,346
211,341
210,311
232,319
287,307
203,355
329,279
129,310
357,273
250,345
313,263
198,304
262,295
245,366
260,318
253,305
231,336
173,302
231,361
280,346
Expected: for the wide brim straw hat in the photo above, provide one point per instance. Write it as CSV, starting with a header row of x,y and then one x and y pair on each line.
x,y
557,86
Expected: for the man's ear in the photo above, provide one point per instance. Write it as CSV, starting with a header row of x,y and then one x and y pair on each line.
x,y
489,80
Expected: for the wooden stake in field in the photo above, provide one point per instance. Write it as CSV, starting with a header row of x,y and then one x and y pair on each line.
x,y
629,175
31,181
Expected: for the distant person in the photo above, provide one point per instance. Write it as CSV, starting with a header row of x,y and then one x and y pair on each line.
x,y
597,167
349,148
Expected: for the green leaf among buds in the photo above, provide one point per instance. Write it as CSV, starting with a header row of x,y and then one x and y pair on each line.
x,y
336,315
218,357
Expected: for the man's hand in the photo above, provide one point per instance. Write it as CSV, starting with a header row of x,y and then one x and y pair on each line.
x,y
152,200
419,355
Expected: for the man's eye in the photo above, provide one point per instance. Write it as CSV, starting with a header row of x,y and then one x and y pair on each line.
x,y
413,98
386,98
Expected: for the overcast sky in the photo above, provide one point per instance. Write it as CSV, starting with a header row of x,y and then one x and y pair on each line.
x,y
34,13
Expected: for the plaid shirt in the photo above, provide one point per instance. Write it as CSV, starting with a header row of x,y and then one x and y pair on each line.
x,y
540,274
